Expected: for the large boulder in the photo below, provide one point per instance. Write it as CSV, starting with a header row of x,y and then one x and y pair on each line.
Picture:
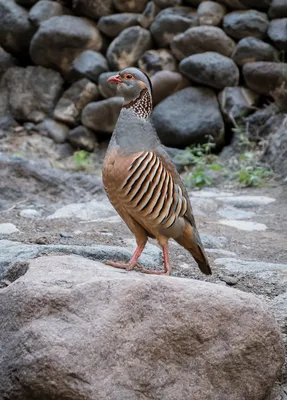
x,y
72,328
73,101
164,83
93,9
113,25
59,40
128,47
264,77
16,30
211,69
188,116
237,102
278,9
239,24
101,116
45,9
201,39
233,4
251,49
6,61
153,61
82,138
257,4
148,15
89,64
276,154
210,13
32,92
170,22
132,6
167,3
277,32
107,89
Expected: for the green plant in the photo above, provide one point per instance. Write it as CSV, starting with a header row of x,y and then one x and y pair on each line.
x,y
203,164
81,159
251,172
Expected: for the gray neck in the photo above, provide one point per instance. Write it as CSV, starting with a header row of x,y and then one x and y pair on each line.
x,y
133,133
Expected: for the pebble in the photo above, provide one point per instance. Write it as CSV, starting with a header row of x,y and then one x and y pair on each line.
x,y
30,213
244,225
229,280
65,235
8,228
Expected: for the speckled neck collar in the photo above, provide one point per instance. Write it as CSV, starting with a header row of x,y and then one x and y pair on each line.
x,y
142,105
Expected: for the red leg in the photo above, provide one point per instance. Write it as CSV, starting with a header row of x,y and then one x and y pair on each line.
x,y
166,264
133,261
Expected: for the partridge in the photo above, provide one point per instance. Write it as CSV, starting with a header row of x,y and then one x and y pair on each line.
x,y
141,181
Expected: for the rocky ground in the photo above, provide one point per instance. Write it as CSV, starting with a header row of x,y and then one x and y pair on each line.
x,y
49,211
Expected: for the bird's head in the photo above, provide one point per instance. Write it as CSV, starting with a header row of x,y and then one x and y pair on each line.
x,y
131,83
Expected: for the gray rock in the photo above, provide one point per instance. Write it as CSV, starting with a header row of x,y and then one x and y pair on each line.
x,y
15,40
170,22
54,129
188,116
6,61
30,213
147,17
89,64
257,4
201,39
101,116
247,226
113,25
235,213
234,4
93,9
251,49
165,83
82,138
32,92
277,32
276,153
14,252
240,24
128,47
211,69
45,9
90,211
245,266
245,201
77,314
107,89
237,102
132,6
264,77
8,229
73,101
210,13
278,9
153,61
167,3
59,40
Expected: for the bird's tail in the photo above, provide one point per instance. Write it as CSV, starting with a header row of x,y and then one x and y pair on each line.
x,y
191,241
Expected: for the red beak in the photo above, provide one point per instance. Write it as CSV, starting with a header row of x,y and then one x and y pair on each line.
x,y
115,79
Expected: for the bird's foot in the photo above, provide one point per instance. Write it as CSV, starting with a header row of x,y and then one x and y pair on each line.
x,y
126,266
154,272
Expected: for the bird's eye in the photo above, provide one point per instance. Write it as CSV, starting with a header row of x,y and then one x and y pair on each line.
x,y
129,76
